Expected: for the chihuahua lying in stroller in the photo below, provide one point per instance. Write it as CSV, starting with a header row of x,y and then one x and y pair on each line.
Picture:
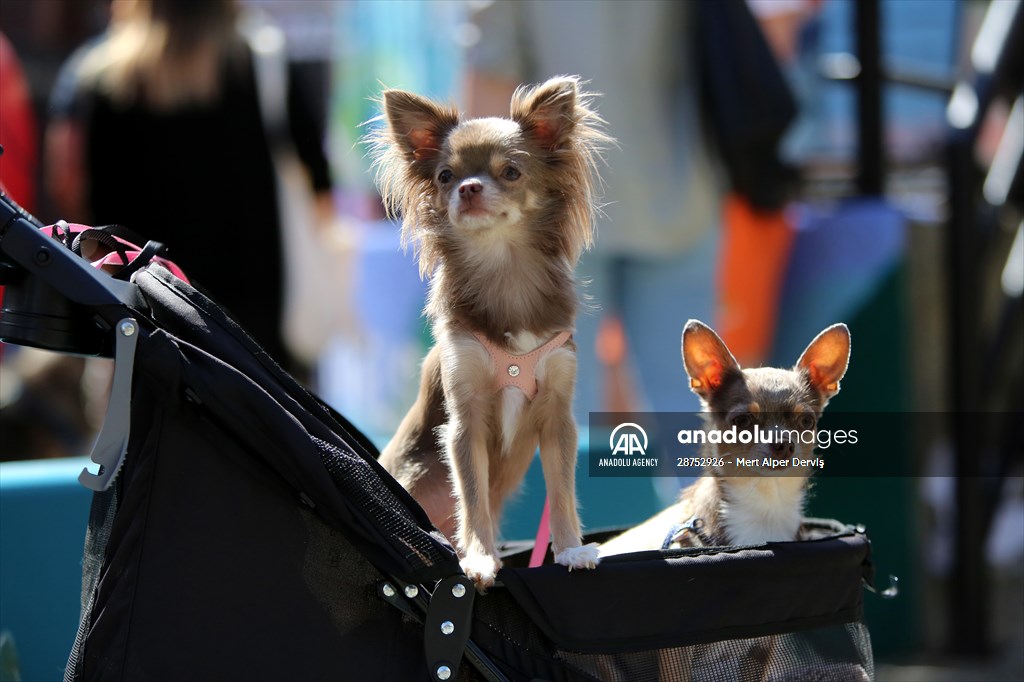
x,y
736,503
757,494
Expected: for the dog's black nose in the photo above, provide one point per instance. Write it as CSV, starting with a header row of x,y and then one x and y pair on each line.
x,y
783,448
471,187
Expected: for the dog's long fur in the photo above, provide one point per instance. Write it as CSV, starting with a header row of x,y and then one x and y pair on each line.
x,y
747,505
499,248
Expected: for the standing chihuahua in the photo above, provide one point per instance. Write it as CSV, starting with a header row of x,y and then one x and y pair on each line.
x,y
499,211
732,504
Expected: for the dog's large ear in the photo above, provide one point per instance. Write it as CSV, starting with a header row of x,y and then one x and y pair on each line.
x,y
547,112
418,124
826,360
706,358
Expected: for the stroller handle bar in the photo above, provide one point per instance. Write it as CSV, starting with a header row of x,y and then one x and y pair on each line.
x,y
54,299
24,245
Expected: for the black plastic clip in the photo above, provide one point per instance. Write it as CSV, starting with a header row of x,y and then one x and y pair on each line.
x,y
112,442
890,592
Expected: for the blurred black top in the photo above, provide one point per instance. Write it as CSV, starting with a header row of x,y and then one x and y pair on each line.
x,y
200,179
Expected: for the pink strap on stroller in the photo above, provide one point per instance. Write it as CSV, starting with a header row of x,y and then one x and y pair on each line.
x,y
115,251
114,258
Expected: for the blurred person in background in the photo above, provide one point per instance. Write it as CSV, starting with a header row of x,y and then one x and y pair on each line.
x,y
164,134
792,29
17,130
371,371
653,266
758,224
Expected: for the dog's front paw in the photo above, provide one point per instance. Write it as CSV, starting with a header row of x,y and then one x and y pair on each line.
x,y
481,569
586,556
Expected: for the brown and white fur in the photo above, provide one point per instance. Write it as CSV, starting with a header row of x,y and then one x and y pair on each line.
x,y
499,211
745,505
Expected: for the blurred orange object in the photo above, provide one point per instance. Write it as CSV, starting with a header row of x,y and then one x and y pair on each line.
x,y
613,353
756,246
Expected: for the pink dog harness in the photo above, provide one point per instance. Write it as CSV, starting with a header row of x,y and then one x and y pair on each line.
x,y
519,370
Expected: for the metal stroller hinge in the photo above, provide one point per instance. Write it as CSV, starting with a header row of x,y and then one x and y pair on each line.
x,y
447,624
112,442
446,615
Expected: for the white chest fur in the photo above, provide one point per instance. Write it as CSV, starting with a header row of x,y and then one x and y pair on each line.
x,y
763,509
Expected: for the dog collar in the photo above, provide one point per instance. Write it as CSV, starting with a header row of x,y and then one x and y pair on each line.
x,y
693,527
519,370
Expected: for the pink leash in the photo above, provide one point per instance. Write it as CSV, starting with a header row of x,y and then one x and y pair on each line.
x,y
540,546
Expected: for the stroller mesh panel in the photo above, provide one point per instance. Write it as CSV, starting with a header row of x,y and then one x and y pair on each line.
x,y
361,484
840,653
834,653
374,504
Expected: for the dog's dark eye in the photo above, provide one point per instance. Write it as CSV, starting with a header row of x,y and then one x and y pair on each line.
x,y
742,421
806,421
445,176
511,173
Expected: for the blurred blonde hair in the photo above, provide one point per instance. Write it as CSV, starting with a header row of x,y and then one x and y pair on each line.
x,y
166,52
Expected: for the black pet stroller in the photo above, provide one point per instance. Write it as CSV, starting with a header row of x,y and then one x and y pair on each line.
x,y
242,530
